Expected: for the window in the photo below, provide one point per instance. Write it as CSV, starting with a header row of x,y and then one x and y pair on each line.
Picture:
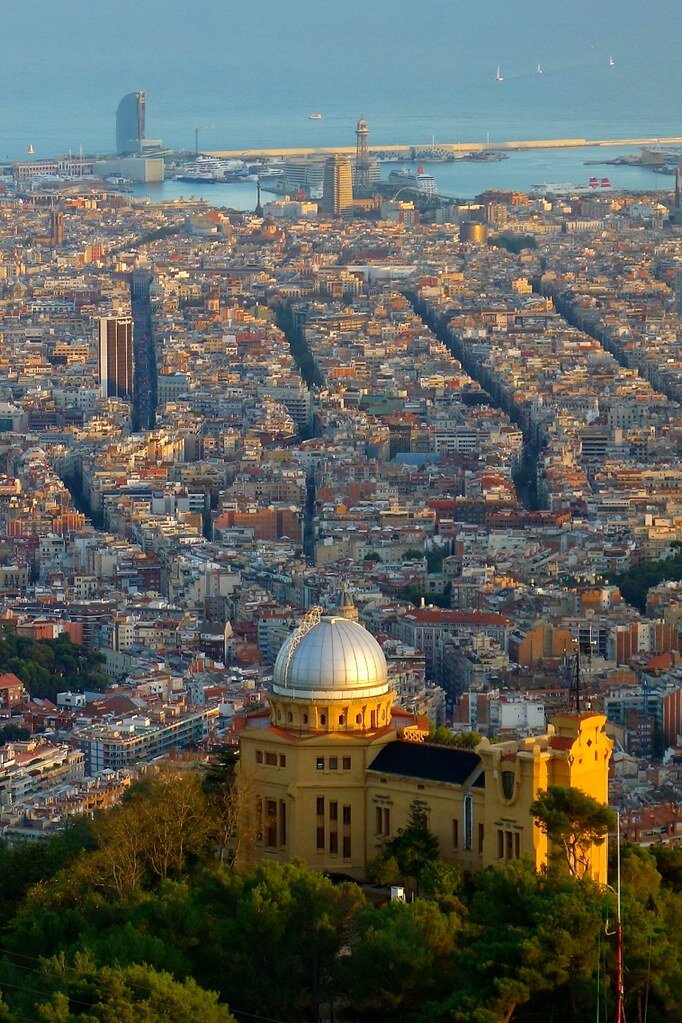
x,y
342,719
387,821
379,825
333,763
333,843
305,719
333,811
509,849
271,818
455,834
320,839
259,819
468,821
282,822
481,833
323,719
346,847
320,806
259,756
500,844
282,760
290,717
346,763
271,759
517,844
320,763
346,815
358,719
508,780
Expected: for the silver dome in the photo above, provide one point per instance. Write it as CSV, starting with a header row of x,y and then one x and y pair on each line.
x,y
336,659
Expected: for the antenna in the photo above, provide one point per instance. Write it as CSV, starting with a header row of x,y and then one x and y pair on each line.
x,y
619,1014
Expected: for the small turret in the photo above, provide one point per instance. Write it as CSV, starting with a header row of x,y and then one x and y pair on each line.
x,y
346,607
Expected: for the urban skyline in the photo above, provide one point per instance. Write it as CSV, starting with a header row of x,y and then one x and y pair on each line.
x,y
341,516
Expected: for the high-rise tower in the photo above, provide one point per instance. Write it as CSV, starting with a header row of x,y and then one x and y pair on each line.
x,y
130,123
361,182
337,193
115,361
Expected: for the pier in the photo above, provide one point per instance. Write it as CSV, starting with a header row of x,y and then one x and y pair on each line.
x,y
408,152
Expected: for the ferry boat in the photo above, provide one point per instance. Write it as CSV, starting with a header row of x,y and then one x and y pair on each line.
x,y
418,181
314,117
208,170
568,188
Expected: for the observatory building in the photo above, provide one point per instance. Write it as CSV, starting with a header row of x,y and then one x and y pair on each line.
x,y
331,770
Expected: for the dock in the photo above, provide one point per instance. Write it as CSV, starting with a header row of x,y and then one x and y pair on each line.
x,y
408,151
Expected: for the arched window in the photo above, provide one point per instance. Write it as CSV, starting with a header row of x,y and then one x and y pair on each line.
x,y
508,780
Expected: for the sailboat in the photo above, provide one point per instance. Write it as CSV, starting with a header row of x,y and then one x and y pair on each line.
x,y
30,150
612,62
498,76
538,70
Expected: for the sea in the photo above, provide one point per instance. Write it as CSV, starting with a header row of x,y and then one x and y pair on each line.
x,y
247,75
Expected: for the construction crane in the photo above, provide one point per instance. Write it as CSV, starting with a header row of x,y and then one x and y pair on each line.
x,y
196,129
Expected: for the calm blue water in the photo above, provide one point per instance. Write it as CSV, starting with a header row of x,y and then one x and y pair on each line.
x,y
461,179
253,72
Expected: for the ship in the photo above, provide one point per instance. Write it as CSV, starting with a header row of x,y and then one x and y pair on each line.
x,y
569,188
612,62
485,156
498,76
314,117
209,170
417,181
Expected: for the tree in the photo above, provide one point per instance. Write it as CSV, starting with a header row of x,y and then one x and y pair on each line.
x,y
573,820
86,993
47,667
232,796
669,864
13,733
533,941
400,957
415,846
289,925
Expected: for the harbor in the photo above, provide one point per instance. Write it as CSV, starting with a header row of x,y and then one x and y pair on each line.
x,y
405,152
522,171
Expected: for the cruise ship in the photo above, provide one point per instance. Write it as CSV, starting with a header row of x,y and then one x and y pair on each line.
x,y
418,181
208,170
568,188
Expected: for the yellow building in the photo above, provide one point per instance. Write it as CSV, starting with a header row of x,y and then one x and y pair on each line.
x,y
331,770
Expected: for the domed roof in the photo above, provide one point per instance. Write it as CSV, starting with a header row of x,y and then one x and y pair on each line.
x,y
334,659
